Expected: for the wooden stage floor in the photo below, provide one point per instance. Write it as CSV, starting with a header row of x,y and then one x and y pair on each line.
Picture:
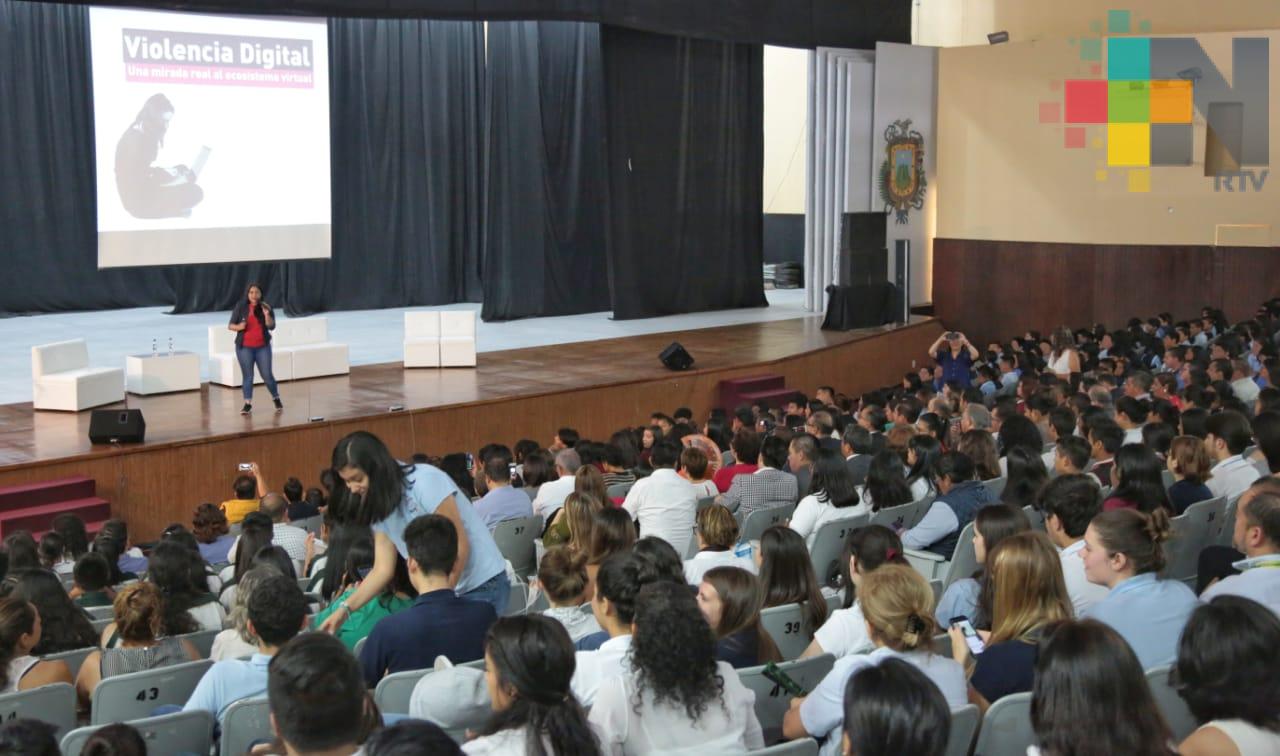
x,y
194,439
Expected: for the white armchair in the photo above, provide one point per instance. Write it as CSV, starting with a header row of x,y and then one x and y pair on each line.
x,y
422,338
61,378
457,338
304,344
224,368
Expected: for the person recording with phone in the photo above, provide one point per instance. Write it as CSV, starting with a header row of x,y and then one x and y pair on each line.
x,y
956,360
253,321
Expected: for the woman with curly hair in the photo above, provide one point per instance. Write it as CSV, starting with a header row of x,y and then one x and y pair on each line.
x,y
65,626
209,524
676,695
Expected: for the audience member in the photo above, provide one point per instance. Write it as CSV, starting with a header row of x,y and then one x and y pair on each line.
x,y
979,446
896,602
571,524
1227,436
20,633
237,641
1105,439
675,695
613,604
1266,432
411,737
1026,475
359,561
1029,596
612,532
439,622
277,612
562,576
787,576
886,484
1257,536
894,708
664,504
971,597
730,600
1228,673
1124,550
92,581
693,466
139,616
1069,503
119,739
1071,456
316,697
959,499
746,447
831,497
188,604
845,631
248,488
288,537
1190,463
551,494
503,501
802,453
717,533
1086,673
1137,481
65,626
765,488
28,737
211,529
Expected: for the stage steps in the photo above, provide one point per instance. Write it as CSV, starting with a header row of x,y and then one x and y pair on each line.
x,y
33,506
769,388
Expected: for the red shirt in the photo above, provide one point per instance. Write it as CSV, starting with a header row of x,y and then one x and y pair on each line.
x,y
253,331
725,475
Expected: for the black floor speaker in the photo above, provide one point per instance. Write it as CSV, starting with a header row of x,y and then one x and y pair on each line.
x,y
676,357
117,426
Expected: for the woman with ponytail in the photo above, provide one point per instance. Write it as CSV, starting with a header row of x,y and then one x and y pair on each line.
x,y
528,663
1124,550
19,633
898,605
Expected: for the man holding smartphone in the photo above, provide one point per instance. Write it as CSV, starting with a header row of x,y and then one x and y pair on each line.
x,y
248,488
956,359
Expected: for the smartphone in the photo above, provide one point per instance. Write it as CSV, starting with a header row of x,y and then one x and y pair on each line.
x,y
971,637
471,462
783,680
245,467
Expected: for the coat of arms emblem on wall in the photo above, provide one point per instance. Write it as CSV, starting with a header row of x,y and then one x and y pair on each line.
x,y
902,182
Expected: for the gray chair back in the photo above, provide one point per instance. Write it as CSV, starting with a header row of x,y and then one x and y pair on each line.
x,y
53,704
964,725
1035,516
785,624
202,640
895,518
705,502
801,747
1192,531
356,649
618,490
73,658
1227,526
995,487
134,696
1181,721
1006,728
180,732
772,701
964,560
393,691
828,546
517,600
762,519
244,722
515,541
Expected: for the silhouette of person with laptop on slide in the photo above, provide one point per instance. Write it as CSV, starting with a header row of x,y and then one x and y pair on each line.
x,y
148,190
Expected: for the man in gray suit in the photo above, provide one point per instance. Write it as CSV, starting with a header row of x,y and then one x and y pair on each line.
x,y
801,455
765,488
858,450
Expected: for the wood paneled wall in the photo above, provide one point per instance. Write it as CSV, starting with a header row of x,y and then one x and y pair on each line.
x,y
998,289
152,486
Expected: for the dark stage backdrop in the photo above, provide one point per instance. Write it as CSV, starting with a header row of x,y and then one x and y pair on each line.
x,y
544,226
686,141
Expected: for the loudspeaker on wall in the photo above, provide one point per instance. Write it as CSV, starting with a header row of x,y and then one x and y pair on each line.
x,y
676,357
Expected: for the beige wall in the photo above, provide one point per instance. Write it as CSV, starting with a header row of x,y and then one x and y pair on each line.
x,y
967,22
786,86
1004,175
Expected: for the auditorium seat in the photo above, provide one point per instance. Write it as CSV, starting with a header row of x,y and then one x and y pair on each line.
x,y
54,704
457,338
304,343
422,339
61,378
179,732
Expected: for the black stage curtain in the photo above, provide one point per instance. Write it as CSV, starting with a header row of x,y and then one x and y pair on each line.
x,y
405,108
48,223
796,23
544,227
686,151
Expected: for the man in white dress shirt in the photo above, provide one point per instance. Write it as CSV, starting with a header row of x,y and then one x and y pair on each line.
x,y
1069,502
1257,534
1228,436
551,495
664,504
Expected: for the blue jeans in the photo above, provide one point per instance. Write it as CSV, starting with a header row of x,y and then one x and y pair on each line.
x,y
261,356
495,591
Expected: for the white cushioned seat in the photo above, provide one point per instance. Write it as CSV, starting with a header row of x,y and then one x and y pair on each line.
x,y
458,338
61,378
224,368
305,344
422,339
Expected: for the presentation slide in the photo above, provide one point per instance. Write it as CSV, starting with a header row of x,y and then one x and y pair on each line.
x,y
212,137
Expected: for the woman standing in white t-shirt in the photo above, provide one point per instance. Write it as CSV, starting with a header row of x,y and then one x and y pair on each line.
x,y
832,496
845,631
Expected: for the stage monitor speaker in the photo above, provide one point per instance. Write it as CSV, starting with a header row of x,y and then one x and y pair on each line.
x,y
864,258
117,426
676,357
902,277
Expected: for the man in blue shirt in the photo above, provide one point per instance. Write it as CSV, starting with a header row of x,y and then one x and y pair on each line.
x,y
277,612
502,502
439,623
956,359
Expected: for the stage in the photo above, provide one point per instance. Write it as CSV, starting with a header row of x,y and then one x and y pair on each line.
x,y
196,439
